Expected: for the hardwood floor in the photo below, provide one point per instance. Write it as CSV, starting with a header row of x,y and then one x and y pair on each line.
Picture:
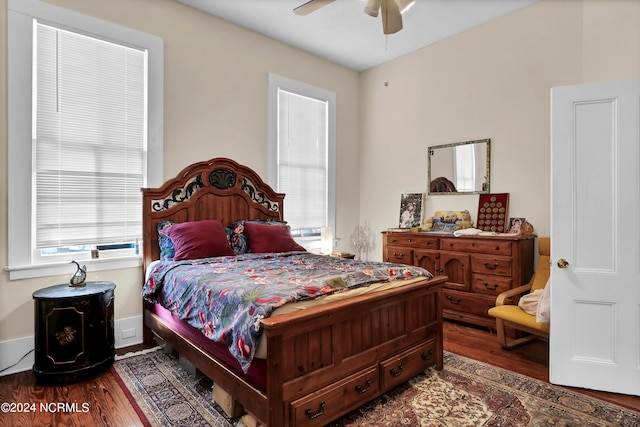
x,y
101,402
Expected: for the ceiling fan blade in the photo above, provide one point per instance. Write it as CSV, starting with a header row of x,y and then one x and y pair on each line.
x,y
311,6
391,17
372,7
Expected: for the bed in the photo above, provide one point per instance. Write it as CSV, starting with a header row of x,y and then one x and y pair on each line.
x,y
313,363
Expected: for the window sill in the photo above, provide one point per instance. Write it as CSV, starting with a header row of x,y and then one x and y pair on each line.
x,y
64,268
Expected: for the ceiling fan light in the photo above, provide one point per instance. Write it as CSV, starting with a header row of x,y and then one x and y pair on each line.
x,y
372,7
404,5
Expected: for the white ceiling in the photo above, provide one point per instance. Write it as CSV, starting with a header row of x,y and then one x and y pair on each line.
x,y
341,32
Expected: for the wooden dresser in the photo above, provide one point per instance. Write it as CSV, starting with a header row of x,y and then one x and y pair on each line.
x,y
478,267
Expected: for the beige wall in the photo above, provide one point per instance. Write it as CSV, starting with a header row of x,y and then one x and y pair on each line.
x,y
215,106
492,81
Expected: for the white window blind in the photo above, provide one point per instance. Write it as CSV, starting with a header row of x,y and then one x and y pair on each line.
x,y
303,159
90,139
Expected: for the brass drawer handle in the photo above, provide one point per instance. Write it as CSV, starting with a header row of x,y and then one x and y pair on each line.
x,y
311,415
428,355
400,255
489,287
486,264
366,389
452,301
397,373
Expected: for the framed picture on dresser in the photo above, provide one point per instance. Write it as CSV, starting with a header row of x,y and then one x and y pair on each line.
x,y
515,225
411,210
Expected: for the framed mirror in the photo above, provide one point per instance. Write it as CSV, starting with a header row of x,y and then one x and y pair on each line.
x,y
460,168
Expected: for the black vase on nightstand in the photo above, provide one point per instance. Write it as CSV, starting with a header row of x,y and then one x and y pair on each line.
x,y
74,334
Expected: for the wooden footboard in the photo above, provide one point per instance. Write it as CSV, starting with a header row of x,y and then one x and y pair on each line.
x,y
328,360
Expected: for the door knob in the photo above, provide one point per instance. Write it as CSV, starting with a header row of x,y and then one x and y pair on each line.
x,y
563,263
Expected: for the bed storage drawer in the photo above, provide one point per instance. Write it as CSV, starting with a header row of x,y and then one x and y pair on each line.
x,y
323,406
406,365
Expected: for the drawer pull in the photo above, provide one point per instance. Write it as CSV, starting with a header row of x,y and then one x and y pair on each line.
x,y
366,389
410,240
452,301
311,415
397,373
495,265
400,255
497,248
428,355
489,287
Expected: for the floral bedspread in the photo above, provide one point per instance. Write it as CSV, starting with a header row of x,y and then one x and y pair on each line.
x,y
226,297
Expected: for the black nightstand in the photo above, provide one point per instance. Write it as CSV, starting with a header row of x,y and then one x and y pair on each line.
x,y
74,336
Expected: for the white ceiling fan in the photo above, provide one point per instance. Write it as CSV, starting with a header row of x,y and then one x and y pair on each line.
x,y
391,11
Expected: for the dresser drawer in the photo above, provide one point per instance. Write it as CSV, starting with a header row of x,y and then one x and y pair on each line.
x,y
321,407
492,285
399,255
406,365
491,265
470,245
467,302
412,241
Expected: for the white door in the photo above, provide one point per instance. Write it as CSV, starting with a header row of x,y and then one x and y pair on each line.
x,y
595,228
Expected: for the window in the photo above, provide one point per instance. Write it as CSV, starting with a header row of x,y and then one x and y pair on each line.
x,y
90,143
85,145
302,156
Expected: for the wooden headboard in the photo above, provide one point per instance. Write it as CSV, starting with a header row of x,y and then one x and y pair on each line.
x,y
216,189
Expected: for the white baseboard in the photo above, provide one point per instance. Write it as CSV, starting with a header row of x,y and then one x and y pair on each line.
x,y
11,351
128,332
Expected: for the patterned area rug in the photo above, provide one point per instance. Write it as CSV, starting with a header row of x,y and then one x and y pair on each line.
x,y
464,393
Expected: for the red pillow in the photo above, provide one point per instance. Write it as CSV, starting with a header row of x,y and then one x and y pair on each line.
x,y
263,238
199,239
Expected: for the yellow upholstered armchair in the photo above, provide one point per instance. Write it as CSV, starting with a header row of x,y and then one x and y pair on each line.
x,y
509,315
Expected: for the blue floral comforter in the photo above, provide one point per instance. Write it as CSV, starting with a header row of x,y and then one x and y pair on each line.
x,y
226,297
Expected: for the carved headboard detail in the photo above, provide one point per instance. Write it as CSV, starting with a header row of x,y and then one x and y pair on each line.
x,y
216,189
